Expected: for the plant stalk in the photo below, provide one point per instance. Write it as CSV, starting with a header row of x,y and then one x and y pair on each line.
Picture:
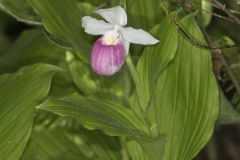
x,y
142,97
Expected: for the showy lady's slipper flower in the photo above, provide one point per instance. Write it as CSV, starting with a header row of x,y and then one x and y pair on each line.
x,y
109,52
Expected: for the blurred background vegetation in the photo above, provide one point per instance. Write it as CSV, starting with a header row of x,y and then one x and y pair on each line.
x,y
221,22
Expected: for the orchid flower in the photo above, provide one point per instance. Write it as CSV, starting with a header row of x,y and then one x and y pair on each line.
x,y
110,50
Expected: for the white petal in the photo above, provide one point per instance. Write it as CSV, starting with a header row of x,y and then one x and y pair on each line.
x,y
126,46
115,15
138,36
94,26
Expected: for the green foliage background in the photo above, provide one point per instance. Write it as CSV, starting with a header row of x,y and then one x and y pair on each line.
x,y
53,106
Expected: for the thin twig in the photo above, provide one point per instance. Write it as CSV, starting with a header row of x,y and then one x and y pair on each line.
x,y
236,65
102,5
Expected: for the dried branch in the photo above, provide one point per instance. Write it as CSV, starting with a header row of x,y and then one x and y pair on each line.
x,y
234,11
211,13
185,5
225,9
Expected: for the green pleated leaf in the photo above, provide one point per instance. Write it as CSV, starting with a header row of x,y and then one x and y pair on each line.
x,y
137,16
156,58
135,151
110,117
91,144
185,105
4,21
52,145
20,10
227,114
70,144
206,14
4,42
20,93
99,145
147,148
62,18
33,47
95,2
154,148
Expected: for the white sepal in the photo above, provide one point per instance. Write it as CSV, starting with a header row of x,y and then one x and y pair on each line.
x,y
137,36
94,26
115,15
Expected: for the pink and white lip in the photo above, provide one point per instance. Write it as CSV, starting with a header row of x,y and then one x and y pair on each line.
x,y
107,59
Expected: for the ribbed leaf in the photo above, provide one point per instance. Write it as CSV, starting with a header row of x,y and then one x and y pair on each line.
x,y
154,148
99,145
135,150
207,7
95,2
156,58
20,10
20,93
33,47
92,144
52,145
185,106
147,148
137,10
62,18
4,42
110,117
70,144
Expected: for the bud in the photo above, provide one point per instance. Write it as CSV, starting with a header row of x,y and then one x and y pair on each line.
x,y
107,59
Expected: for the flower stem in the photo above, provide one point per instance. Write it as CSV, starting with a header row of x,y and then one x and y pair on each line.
x,y
142,97
124,151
